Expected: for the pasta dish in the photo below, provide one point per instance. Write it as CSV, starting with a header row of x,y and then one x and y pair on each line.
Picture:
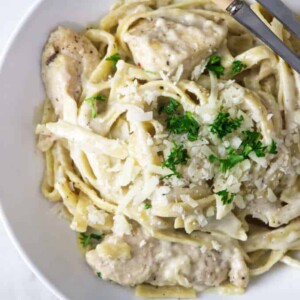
x,y
171,140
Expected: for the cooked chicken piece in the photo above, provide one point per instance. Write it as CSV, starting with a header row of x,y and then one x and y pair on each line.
x,y
129,271
163,263
210,269
178,264
67,63
163,45
239,272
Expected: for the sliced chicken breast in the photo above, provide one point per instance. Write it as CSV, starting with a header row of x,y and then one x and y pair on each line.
x,y
129,270
67,63
159,44
163,263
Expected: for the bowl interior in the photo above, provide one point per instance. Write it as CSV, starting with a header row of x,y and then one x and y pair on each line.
x,y
45,240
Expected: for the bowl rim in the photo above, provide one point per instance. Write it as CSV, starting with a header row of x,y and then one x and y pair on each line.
x,y
42,277
3,217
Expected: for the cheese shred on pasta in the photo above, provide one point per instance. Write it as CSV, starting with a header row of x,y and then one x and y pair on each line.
x,y
171,136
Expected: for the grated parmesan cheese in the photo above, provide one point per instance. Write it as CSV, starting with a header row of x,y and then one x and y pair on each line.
x,y
216,246
210,211
202,220
142,243
178,74
271,196
96,216
121,225
188,199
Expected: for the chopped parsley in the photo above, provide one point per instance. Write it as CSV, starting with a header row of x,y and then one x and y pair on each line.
x,y
93,102
178,156
215,66
232,159
237,67
99,274
170,108
180,123
273,148
224,124
148,205
226,197
87,239
114,59
250,143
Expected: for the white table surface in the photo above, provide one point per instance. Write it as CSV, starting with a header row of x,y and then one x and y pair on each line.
x,y
17,282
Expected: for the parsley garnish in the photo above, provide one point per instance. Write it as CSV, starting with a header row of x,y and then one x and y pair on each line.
x,y
237,67
93,102
224,124
233,158
178,156
226,197
180,124
170,108
86,239
273,148
148,205
214,65
250,143
114,59
99,274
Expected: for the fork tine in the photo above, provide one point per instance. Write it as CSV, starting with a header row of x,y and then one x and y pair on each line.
x,y
283,14
246,16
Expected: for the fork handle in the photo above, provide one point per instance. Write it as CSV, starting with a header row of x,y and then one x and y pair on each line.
x,y
223,4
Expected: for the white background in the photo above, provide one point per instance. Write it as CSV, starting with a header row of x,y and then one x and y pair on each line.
x,y
16,281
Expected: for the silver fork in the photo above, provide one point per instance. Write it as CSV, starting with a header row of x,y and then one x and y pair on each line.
x,y
283,14
241,11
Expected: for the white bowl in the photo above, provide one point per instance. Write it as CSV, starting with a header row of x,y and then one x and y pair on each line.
x,y
45,241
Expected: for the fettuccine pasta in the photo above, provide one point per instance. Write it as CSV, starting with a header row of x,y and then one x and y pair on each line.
x,y
171,138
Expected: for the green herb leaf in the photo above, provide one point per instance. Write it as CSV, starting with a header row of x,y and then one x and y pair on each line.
x,y
252,143
214,65
237,67
181,124
170,108
148,205
233,158
231,161
224,124
226,197
178,156
93,102
99,274
86,239
273,148
114,59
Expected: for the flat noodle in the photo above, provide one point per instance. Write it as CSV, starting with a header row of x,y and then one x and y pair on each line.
x,y
274,258
112,155
104,68
227,289
292,262
148,291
